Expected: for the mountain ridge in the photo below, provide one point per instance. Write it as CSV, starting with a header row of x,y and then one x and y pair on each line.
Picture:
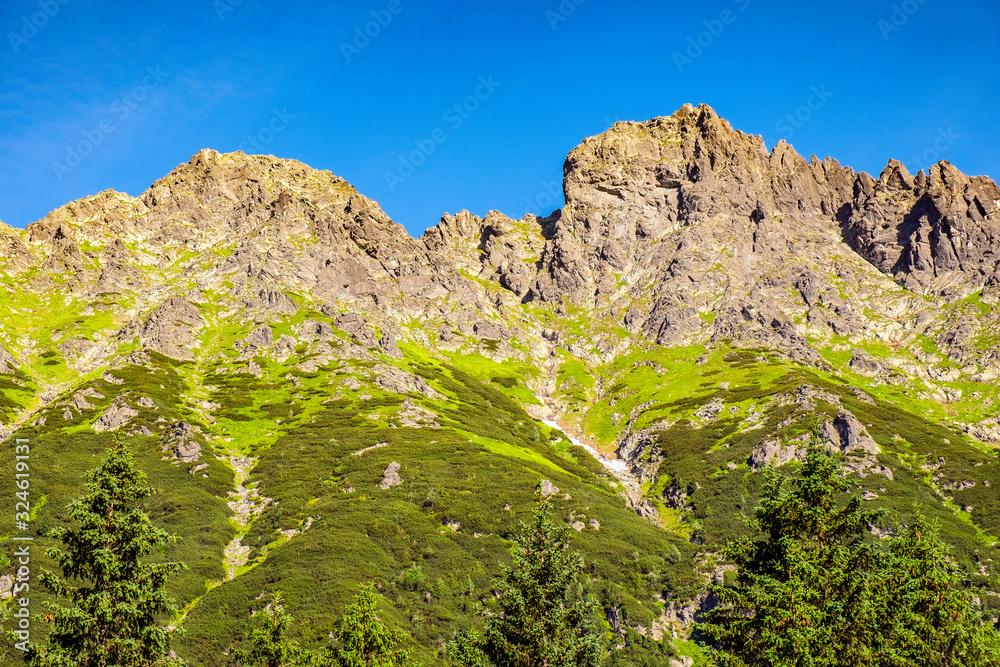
x,y
730,207
274,344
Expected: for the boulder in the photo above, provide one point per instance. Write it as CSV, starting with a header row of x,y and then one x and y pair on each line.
x,y
398,381
390,477
865,364
7,361
774,453
413,415
181,442
850,436
117,415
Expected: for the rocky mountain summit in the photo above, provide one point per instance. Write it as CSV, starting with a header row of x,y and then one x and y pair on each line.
x,y
680,229
285,353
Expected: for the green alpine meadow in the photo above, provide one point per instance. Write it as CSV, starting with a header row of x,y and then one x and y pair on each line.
x,y
728,406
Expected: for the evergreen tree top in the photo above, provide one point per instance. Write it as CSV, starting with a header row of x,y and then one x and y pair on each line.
x,y
116,596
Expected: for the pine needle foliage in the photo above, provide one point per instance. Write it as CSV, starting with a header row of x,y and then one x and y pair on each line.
x,y
815,589
363,638
117,595
269,642
541,622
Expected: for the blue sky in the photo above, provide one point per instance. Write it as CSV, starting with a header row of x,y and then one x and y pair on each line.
x,y
99,95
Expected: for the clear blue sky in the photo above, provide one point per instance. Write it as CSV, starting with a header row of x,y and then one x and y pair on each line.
x,y
142,86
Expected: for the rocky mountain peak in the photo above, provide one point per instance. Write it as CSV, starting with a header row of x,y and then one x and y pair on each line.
x,y
298,372
265,211
937,233
681,229
634,186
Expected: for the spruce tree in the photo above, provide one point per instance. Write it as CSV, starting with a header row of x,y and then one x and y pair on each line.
x,y
814,588
269,642
931,616
116,595
797,583
363,639
540,623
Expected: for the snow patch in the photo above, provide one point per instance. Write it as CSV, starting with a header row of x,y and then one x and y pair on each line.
x,y
614,465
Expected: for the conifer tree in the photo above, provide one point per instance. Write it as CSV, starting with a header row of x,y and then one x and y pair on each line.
x,y
363,639
931,615
813,588
116,595
269,642
539,623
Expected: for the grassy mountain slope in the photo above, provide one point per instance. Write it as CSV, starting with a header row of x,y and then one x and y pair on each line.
x,y
275,348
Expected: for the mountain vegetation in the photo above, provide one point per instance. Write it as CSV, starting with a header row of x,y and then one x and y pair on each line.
x,y
812,586
321,401
116,595
543,618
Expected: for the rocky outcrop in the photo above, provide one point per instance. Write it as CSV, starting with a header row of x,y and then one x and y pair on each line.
x,y
259,337
390,477
774,453
170,329
15,256
117,415
685,614
7,361
937,233
79,399
387,343
180,441
865,364
639,183
847,434
357,326
311,330
412,415
82,353
271,301
987,431
398,381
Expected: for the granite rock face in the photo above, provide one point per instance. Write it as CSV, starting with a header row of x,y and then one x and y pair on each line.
x,y
936,233
681,229
673,219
